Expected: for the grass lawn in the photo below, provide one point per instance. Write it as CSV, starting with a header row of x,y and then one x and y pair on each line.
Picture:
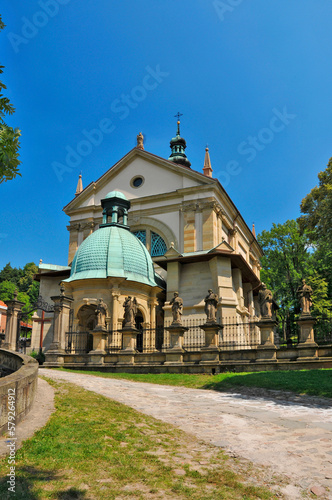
x,y
310,382
95,448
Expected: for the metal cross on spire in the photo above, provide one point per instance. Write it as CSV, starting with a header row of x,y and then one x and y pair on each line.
x,y
178,114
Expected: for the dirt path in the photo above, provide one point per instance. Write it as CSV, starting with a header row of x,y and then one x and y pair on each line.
x,y
290,434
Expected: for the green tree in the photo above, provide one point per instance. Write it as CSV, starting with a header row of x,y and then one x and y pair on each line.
x,y
12,278
289,257
10,273
26,280
316,208
9,137
7,289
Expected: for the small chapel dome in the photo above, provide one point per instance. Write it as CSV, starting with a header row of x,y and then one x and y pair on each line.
x,y
116,194
112,250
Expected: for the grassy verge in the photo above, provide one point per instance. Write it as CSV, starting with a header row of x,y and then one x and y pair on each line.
x,y
94,448
310,382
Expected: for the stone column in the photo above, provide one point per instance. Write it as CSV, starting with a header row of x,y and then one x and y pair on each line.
x,y
307,346
115,293
55,354
267,350
210,352
153,303
174,355
13,317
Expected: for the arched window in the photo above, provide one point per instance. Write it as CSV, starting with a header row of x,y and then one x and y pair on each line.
x,y
141,235
158,246
152,241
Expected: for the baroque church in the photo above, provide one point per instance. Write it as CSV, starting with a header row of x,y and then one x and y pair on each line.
x,y
147,230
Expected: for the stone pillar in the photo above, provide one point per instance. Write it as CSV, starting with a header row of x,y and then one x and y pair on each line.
x,y
267,350
210,352
174,355
13,317
55,354
307,346
96,356
128,351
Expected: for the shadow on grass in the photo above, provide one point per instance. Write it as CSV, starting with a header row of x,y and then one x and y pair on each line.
x,y
28,478
293,387
71,494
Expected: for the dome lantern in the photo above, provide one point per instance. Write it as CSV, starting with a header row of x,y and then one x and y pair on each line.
x,y
115,210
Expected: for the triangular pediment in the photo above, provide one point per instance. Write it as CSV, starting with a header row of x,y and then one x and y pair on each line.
x,y
222,246
159,176
172,252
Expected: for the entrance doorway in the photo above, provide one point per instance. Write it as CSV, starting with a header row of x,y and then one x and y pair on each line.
x,y
139,325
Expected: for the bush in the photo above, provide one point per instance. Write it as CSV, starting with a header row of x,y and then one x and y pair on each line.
x,y
39,356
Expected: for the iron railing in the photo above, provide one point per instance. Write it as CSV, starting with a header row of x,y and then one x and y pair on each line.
x,y
241,334
323,330
78,342
234,335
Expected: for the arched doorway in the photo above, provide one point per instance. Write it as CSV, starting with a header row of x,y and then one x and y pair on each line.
x,y
87,318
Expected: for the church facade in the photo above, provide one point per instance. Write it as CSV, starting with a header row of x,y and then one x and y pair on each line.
x,y
176,230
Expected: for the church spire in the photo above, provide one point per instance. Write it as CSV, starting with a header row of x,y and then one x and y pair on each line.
x,y
79,188
178,146
207,169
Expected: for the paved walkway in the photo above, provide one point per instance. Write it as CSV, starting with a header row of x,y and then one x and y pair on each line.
x,y
293,435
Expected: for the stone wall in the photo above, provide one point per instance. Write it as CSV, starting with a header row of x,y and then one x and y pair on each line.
x,y
22,383
242,360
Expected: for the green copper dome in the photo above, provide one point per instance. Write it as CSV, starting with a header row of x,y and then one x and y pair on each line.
x,y
113,251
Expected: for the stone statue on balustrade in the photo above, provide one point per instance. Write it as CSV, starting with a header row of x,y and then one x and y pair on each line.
x,y
211,304
130,311
177,309
266,302
304,293
101,315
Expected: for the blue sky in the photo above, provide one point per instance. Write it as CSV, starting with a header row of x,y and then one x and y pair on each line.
x,y
252,78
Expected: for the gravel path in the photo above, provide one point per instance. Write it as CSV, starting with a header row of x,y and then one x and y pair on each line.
x,y
293,435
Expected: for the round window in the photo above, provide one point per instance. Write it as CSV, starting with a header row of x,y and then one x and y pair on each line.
x,y
137,181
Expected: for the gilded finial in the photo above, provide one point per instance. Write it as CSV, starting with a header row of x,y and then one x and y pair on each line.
x,y
178,114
